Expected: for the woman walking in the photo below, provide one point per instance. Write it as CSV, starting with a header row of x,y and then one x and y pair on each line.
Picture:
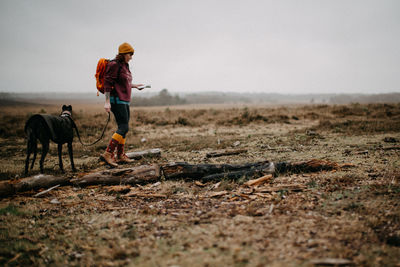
x,y
117,90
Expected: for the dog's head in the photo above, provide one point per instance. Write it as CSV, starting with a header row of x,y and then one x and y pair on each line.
x,y
67,110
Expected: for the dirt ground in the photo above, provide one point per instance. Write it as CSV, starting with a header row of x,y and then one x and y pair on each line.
x,y
350,216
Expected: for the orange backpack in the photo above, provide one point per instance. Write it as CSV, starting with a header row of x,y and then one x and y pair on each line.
x,y
100,74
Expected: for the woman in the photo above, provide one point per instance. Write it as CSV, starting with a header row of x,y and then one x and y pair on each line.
x,y
117,89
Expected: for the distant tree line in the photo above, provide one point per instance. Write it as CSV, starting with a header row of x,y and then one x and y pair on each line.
x,y
164,98
364,99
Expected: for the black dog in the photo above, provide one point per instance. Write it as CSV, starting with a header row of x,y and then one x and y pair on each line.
x,y
59,129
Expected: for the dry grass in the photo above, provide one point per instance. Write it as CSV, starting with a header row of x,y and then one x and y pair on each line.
x,y
349,214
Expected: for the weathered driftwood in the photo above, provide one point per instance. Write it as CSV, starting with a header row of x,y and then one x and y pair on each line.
x,y
225,153
212,172
154,152
314,165
40,181
135,175
36,182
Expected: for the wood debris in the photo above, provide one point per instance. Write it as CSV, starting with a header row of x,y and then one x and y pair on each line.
x,y
135,175
218,194
259,181
225,153
46,191
177,170
331,262
277,188
154,152
145,195
8,188
199,184
391,148
119,189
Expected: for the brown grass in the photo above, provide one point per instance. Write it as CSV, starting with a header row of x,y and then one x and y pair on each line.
x,y
351,213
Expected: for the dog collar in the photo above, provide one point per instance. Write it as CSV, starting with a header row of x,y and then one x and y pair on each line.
x,y
65,113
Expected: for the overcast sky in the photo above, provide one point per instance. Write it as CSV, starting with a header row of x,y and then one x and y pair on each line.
x,y
281,46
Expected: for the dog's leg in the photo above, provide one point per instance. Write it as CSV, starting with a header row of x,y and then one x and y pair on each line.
x,y
71,156
34,148
28,153
45,149
60,163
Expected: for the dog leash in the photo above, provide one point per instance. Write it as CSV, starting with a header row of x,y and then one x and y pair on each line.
x,y
102,134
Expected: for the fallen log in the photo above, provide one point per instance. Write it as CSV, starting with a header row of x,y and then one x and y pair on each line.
x,y
136,175
314,165
225,153
178,170
8,188
211,172
40,181
215,172
154,152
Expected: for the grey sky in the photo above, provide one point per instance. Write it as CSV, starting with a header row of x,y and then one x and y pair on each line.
x,y
285,46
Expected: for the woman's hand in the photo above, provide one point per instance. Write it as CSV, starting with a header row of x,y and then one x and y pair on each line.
x,y
107,107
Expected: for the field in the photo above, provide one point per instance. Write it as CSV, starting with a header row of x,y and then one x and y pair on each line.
x,y
350,216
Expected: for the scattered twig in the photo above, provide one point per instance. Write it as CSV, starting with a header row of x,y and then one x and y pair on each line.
x,y
288,187
15,258
144,195
347,165
198,183
46,191
218,194
271,208
215,186
331,262
225,153
259,181
119,189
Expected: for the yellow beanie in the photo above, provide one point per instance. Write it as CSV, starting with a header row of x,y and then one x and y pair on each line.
x,y
125,48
